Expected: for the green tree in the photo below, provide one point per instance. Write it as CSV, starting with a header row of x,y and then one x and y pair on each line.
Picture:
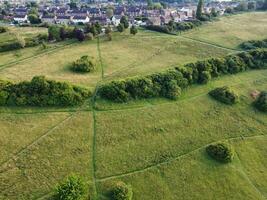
x,y
73,4
133,30
213,12
33,11
125,22
34,19
149,3
199,9
73,188
120,27
109,12
108,33
54,33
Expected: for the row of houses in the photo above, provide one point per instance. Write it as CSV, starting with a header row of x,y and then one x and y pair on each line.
x,y
65,15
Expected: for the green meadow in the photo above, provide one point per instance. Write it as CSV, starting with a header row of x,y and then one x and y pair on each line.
x,y
155,145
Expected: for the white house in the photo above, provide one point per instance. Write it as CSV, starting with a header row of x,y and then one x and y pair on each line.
x,y
80,19
115,20
21,18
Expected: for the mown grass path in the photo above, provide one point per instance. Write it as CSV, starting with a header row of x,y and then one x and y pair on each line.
x,y
209,43
94,121
170,160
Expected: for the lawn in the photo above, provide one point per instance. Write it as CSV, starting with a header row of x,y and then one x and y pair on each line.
x,y
39,161
230,31
149,52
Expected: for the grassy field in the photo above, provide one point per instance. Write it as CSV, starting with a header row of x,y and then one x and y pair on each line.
x,y
156,145
232,30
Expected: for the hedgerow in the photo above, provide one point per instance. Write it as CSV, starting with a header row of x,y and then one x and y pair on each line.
x,y
253,44
41,92
166,84
224,95
73,188
169,84
261,101
221,152
122,191
19,43
84,64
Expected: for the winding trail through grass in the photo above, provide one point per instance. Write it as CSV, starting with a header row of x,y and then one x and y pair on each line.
x,y
208,43
137,171
245,175
46,133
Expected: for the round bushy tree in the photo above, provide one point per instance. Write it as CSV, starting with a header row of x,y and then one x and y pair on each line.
x,y
124,21
204,77
121,191
225,95
261,102
120,27
73,188
173,91
133,30
3,29
221,152
84,64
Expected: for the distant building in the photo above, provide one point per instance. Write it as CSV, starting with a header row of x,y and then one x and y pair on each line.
x,y
80,19
21,18
48,19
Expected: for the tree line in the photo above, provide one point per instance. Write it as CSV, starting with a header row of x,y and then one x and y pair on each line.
x,y
170,83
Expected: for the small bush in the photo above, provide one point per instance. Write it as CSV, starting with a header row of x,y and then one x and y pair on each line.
x,y
73,188
221,152
3,29
121,191
224,95
84,64
261,102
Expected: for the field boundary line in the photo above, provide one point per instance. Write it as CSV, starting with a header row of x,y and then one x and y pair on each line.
x,y
136,64
171,159
11,64
46,133
94,121
44,112
208,43
173,102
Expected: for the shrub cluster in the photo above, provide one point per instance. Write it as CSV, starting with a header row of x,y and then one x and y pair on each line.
x,y
221,152
121,191
84,64
39,39
161,29
253,44
172,26
3,29
73,188
224,95
261,102
19,42
41,92
170,83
